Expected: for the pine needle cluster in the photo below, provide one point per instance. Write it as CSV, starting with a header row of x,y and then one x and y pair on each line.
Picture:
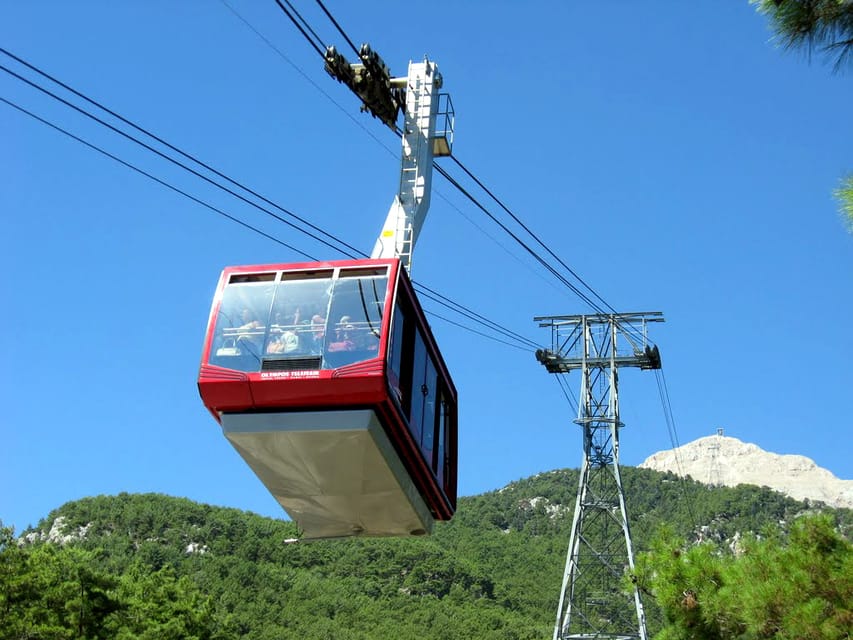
x,y
813,25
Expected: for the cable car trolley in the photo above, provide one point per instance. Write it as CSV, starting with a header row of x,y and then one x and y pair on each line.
x,y
326,377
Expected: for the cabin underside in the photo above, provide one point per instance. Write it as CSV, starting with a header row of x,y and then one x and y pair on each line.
x,y
336,473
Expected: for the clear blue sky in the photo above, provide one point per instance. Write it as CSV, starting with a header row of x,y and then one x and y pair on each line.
x,y
668,152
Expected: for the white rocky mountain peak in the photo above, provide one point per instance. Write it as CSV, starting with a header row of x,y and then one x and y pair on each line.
x,y
723,460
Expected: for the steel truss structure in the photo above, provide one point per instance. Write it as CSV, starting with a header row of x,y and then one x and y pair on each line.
x,y
593,603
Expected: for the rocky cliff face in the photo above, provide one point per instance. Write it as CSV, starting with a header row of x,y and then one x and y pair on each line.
x,y
722,460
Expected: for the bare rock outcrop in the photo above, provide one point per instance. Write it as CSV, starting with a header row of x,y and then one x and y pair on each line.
x,y
723,460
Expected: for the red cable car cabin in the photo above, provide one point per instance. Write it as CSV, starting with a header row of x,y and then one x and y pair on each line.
x,y
327,380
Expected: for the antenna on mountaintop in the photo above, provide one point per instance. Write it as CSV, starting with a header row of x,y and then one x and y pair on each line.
x,y
715,475
592,603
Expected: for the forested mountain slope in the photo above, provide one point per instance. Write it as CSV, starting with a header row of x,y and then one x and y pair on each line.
x,y
494,571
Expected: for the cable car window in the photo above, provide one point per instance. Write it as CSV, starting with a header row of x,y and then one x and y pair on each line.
x,y
239,278
428,420
354,322
305,320
364,272
419,388
298,317
441,440
241,323
321,274
395,369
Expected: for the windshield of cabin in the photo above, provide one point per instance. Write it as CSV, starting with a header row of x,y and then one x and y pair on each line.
x,y
286,321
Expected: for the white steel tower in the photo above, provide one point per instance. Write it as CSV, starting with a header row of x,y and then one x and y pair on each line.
x,y
592,602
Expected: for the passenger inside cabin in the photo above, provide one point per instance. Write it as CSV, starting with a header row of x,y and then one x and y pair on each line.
x,y
249,325
249,320
318,333
344,336
368,340
285,342
283,337
250,332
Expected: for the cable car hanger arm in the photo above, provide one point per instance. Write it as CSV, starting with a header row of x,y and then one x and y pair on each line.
x,y
422,137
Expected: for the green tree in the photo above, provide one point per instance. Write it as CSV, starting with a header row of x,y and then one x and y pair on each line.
x,y
161,606
844,194
824,25
47,591
794,587
184,570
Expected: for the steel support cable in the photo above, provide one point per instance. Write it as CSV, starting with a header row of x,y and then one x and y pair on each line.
x,y
338,27
479,333
317,38
665,405
484,321
155,179
231,217
529,267
434,295
521,243
316,47
482,186
663,391
567,393
308,78
629,328
453,206
473,177
518,343
530,232
541,260
172,160
177,150
491,194
470,314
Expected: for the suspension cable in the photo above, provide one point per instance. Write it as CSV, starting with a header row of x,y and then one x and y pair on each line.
x,y
155,179
663,392
338,27
318,48
456,307
186,155
170,159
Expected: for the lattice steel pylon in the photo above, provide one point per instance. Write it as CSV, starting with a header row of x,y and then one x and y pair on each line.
x,y
593,602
